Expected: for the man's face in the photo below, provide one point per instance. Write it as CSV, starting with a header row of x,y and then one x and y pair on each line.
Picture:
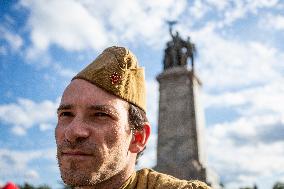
x,y
92,135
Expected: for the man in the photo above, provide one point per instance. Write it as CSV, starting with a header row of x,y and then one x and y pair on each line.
x,y
102,127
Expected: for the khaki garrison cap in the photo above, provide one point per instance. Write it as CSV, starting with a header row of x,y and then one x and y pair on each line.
x,y
116,70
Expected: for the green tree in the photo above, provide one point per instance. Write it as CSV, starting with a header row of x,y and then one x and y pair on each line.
x,y
30,186
278,185
26,186
44,187
254,187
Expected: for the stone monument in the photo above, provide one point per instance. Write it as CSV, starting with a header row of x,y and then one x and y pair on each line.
x,y
181,119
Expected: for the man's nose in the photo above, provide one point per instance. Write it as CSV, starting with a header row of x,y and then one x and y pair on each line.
x,y
77,131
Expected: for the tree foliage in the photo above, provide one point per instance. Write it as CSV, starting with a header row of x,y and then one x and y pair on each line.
x,y
30,186
278,185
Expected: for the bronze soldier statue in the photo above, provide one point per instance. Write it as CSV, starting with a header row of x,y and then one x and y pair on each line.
x,y
178,50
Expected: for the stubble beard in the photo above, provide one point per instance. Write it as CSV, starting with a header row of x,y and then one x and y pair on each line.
x,y
97,172
73,177
73,173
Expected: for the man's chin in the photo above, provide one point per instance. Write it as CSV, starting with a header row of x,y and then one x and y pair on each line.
x,y
76,180
74,174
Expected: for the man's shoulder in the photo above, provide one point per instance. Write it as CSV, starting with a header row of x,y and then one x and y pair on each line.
x,y
156,180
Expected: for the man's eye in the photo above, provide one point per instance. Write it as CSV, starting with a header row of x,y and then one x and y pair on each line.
x,y
65,114
102,114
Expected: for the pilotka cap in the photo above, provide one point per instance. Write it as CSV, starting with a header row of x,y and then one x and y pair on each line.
x,y
116,70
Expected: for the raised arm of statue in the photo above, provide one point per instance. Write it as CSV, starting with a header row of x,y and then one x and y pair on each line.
x,y
171,24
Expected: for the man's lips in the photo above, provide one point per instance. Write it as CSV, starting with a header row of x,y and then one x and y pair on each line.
x,y
75,153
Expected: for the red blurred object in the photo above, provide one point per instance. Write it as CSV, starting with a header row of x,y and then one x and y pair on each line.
x,y
10,185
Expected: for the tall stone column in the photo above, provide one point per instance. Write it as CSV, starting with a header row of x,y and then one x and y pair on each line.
x,y
180,128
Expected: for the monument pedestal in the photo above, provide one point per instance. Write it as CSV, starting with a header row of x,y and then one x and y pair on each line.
x,y
181,123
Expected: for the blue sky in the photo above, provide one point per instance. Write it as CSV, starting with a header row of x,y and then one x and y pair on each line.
x,y
240,62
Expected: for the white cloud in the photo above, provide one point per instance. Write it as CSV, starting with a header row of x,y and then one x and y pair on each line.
x,y
31,174
135,21
272,22
281,179
243,163
42,59
16,164
26,113
18,130
14,41
198,9
152,102
251,101
46,126
219,5
81,25
62,71
254,140
92,25
237,10
228,63
225,13
64,23
75,25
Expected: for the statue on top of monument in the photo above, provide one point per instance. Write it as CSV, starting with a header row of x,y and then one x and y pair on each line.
x,y
178,50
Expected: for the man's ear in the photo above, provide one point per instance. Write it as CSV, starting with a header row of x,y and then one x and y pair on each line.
x,y
140,138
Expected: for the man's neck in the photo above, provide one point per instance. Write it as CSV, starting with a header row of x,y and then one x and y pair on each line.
x,y
114,182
